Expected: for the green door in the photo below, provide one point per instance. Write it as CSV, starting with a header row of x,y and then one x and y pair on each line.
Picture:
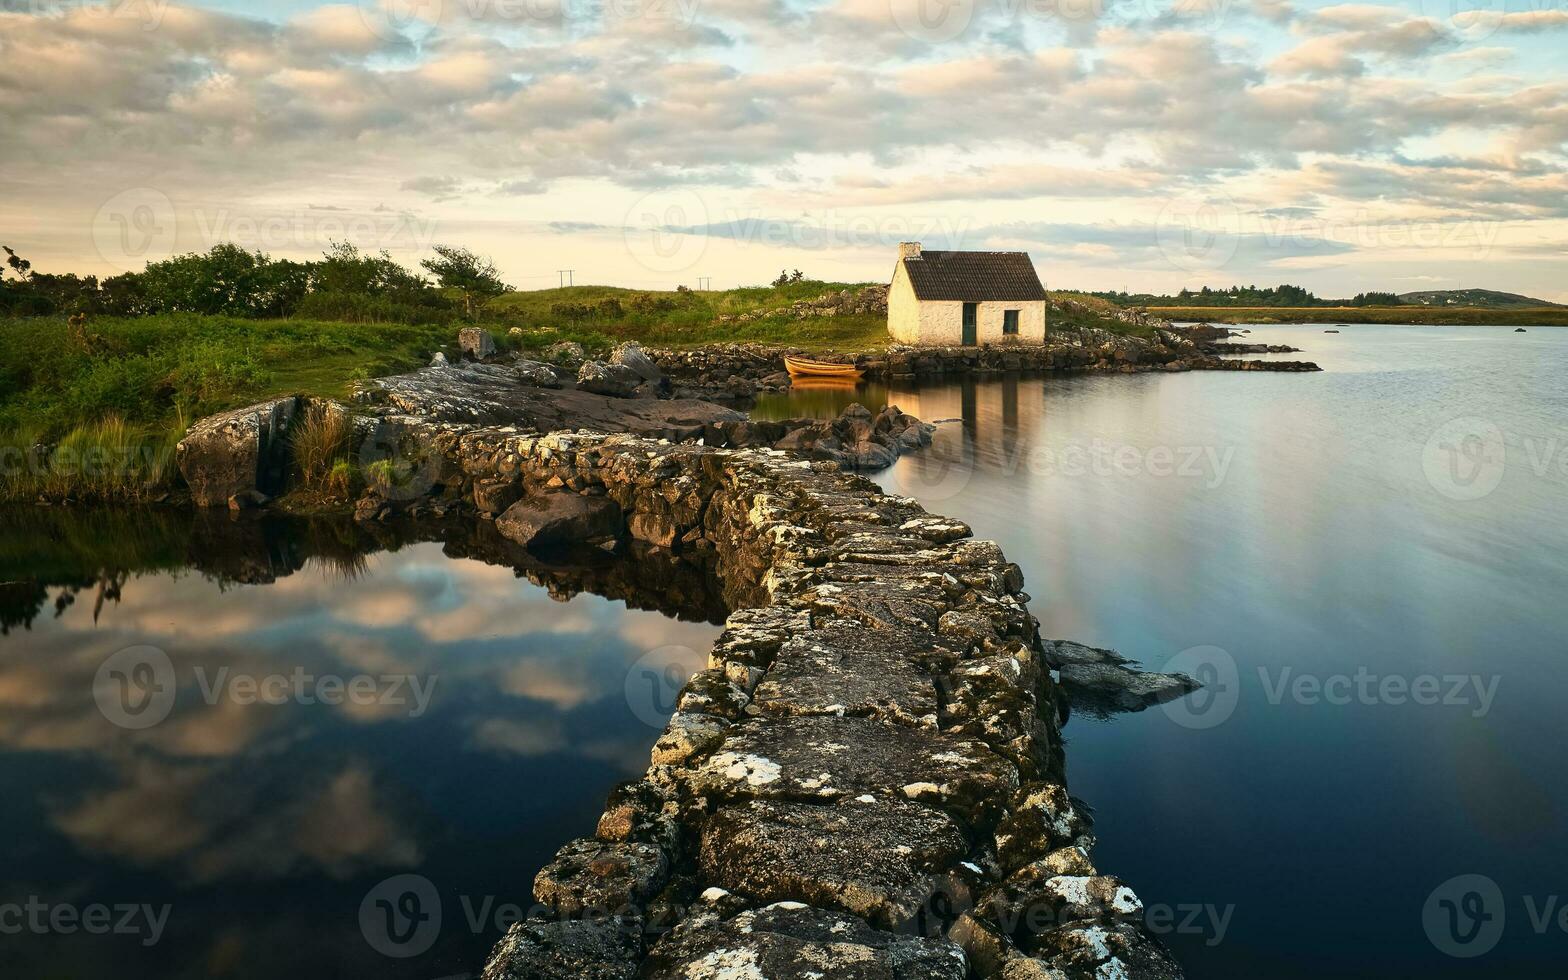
x,y
971,323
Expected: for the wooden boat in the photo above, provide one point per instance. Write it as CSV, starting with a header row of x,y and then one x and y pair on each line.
x,y
804,367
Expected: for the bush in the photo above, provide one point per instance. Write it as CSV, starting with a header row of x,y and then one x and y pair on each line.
x,y
319,442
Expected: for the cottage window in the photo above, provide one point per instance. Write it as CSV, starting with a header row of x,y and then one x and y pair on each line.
x,y
1010,323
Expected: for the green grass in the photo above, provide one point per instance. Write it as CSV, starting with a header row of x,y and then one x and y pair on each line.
x,y
600,316
1402,315
123,388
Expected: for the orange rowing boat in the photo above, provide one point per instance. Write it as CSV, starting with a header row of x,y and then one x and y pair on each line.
x,y
804,367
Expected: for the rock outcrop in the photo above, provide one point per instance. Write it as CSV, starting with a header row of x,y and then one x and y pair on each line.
x,y
476,343
868,778
238,453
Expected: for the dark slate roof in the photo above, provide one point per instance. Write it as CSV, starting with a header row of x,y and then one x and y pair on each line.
x,y
974,277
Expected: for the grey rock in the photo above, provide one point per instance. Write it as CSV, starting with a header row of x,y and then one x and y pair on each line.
x,y
581,949
1102,690
438,360
614,380
476,342
631,355
566,353
809,677
536,373
560,519
237,452
884,860
826,759
601,878
492,394
790,941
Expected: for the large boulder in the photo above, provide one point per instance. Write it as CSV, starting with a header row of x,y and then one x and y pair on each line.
x,y
631,355
476,343
238,452
615,380
566,353
560,519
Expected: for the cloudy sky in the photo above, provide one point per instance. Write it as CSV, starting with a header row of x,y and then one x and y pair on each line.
x,y
1126,144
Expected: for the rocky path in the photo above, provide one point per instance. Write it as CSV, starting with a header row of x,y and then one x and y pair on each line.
x,y
868,779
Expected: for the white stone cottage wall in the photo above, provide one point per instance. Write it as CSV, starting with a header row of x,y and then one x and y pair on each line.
x,y
941,322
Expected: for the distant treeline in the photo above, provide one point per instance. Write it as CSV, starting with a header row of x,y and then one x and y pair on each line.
x,y
344,284
1284,295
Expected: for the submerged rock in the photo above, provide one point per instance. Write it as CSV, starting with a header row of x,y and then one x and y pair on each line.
x,y
1103,682
561,519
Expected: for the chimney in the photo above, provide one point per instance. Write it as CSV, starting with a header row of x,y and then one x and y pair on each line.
x,y
909,250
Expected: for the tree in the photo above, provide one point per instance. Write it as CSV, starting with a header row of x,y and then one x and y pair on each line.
x,y
460,269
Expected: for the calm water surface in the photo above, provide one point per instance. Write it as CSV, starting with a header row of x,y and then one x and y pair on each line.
x,y
1325,525
493,719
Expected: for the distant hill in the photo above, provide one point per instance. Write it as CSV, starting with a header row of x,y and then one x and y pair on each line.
x,y
1486,299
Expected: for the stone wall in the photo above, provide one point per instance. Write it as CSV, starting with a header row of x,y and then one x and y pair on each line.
x,y
867,780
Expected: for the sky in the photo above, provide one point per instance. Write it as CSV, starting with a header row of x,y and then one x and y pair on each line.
x,y
1140,145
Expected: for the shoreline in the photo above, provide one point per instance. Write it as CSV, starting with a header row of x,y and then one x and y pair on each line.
x,y
1406,316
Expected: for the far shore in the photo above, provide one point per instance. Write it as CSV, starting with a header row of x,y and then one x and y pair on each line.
x,y
1425,316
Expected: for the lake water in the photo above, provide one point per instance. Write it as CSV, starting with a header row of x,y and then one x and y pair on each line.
x,y
366,714
1321,548
1324,549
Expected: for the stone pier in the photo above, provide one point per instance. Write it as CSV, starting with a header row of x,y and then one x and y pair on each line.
x,y
868,779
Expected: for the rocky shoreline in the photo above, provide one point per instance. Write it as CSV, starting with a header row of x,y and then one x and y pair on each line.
x,y
736,371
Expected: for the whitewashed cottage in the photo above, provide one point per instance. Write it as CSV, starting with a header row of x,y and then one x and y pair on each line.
x,y
968,298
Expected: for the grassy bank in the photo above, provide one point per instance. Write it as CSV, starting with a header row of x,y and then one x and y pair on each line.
x,y
1403,315
110,397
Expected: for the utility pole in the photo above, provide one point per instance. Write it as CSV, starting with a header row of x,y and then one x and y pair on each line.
x,y
705,283
566,277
